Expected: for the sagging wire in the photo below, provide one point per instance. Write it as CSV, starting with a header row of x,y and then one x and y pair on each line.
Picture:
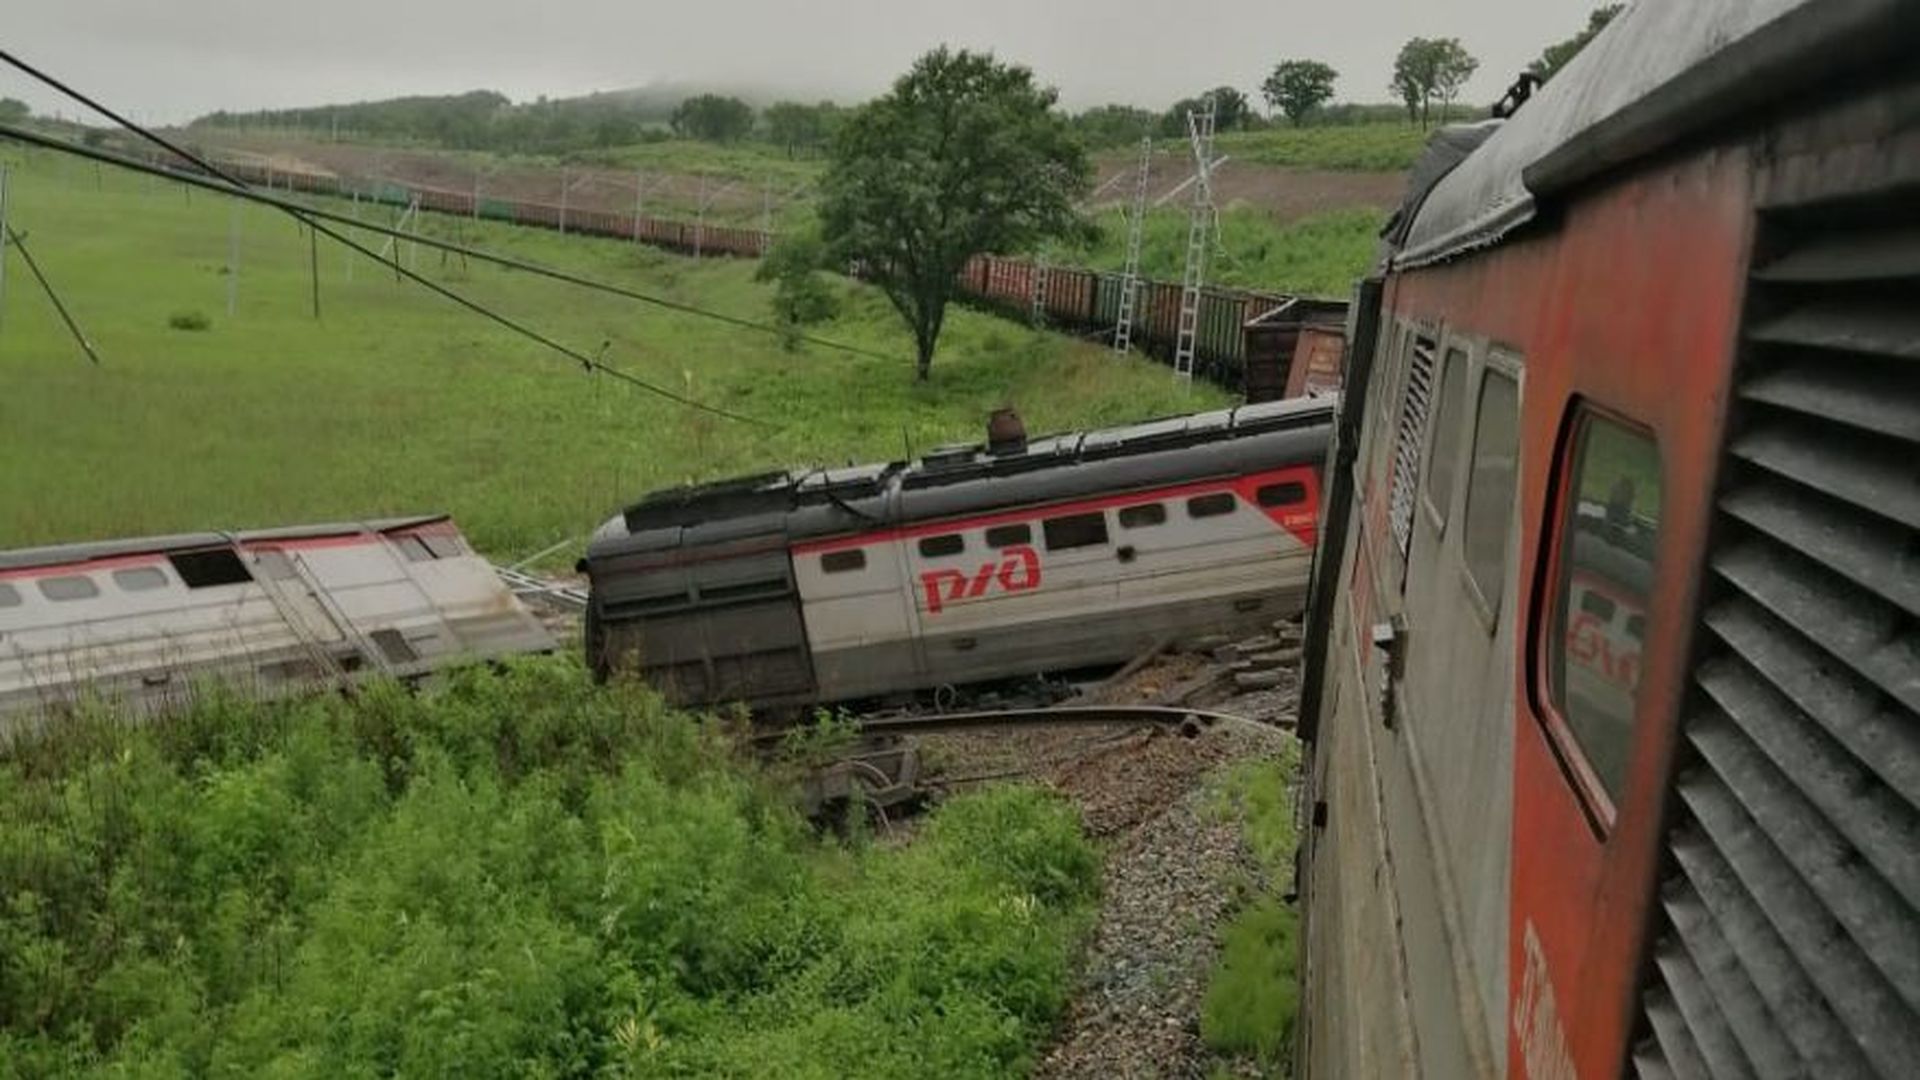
x,y
17,240
235,186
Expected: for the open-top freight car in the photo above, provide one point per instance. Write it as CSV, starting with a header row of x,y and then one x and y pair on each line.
x,y
140,623
970,564
1613,679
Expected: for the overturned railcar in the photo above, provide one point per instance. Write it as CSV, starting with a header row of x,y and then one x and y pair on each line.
x,y
970,564
141,623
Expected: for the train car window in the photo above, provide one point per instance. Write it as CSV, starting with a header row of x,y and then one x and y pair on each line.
x,y
1606,544
1490,484
1290,493
413,548
840,562
274,564
140,578
70,587
1448,420
204,569
934,547
9,596
1075,531
1213,505
443,545
1008,535
1143,516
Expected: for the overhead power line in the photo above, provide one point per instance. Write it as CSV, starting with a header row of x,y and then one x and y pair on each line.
x,y
312,219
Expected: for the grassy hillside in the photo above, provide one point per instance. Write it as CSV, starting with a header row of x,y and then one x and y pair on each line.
x,y
397,401
1351,147
1321,255
518,875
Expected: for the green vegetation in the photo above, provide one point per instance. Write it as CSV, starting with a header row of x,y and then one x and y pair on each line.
x,y
1321,255
518,874
749,163
1348,148
1555,56
1298,87
1253,994
397,401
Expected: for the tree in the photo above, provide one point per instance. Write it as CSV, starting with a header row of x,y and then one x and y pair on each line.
x,y
1114,125
801,296
1297,87
13,111
712,118
1431,68
964,156
1555,56
1230,112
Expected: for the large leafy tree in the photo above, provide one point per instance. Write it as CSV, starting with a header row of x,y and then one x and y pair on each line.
x,y
13,110
713,118
1297,87
798,127
1429,69
964,156
1555,56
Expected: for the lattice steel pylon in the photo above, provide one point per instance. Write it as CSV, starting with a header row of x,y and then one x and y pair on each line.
x,y
1136,229
1201,222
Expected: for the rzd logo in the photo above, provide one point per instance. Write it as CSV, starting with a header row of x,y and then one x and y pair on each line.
x,y
1017,572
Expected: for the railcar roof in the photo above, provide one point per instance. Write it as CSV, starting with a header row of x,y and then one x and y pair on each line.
x,y
779,492
1661,72
86,551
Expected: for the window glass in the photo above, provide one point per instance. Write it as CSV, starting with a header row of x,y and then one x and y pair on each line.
x,y
839,562
1142,516
274,564
1075,531
1447,422
1290,493
215,566
1205,506
1008,535
9,596
934,547
414,548
1606,575
1496,443
140,578
71,587
443,545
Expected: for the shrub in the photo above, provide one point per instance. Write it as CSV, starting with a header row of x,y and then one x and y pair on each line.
x,y
189,320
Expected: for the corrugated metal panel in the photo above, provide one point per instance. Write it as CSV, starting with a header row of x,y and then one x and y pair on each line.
x,y
1789,940
1409,443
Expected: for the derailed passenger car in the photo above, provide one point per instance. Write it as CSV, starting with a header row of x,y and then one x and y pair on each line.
x,y
139,623
970,564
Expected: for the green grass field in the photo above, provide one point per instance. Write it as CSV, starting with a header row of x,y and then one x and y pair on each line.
x,y
397,401
1344,148
1321,255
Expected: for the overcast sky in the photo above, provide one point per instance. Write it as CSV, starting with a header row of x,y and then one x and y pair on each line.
x,y
170,60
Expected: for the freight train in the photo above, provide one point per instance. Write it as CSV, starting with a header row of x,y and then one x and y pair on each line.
x,y
970,564
1613,683
143,623
1068,298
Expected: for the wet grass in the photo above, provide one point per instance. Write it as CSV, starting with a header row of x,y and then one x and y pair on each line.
x,y
396,401
1322,255
1253,994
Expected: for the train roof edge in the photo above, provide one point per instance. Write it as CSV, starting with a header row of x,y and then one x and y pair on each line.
x,y
777,494
90,550
1661,72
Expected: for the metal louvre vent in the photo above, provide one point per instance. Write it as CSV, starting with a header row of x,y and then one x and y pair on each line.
x,y
1788,942
1409,441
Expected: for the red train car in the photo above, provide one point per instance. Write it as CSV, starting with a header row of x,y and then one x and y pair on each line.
x,y
1614,691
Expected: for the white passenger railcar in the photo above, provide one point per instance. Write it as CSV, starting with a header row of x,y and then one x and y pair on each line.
x,y
971,564
141,622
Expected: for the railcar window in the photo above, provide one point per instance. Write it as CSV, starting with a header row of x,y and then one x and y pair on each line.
x,y
840,562
274,564
1214,505
1443,458
1607,542
204,569
1290,493
1496,445
1008,535
140,578
1143,516
9,596
414,548
934,547
69,587
1075,531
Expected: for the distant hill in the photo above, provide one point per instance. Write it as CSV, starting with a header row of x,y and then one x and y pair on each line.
x,y
488,120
